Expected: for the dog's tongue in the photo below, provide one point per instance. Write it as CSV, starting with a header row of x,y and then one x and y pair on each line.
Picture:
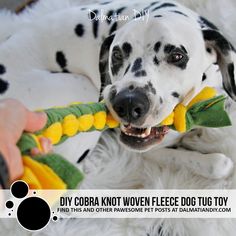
x,y
159,131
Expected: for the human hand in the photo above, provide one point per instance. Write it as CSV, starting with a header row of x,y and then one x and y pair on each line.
x,y
14,119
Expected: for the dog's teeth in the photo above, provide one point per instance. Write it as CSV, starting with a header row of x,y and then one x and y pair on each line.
x,y
141,133
148,131
122,127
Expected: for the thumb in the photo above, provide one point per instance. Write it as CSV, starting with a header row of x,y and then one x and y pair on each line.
x,y
35,121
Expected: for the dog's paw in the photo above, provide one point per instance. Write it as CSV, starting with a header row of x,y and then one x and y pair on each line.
x,y
192,139
217,166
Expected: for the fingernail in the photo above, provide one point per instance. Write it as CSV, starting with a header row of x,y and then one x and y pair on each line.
x,y
41,113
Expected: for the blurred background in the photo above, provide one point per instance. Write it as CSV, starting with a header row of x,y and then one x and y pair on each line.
x,y
12,4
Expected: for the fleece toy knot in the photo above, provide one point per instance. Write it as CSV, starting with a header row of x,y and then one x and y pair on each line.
x,y
205,109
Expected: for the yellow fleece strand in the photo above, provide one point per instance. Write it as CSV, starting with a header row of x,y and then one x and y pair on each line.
x,y
40,176
178,116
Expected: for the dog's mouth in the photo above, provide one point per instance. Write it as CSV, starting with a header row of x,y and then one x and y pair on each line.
x,y
142,138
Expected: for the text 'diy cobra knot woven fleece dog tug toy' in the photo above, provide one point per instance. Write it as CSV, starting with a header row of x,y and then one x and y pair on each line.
x,y
52,171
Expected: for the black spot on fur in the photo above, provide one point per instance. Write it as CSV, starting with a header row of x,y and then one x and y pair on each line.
x,y
61,59
65,71
164,5
109,16
156,61
161,100
127,49
150,5
220,41
168,48
95,22
228,104
204,77
127,69
206,23
180,13
112,93
231,70
103,63
116,63
95,28
104,76
137,65
149,87
141,13
157,46
154,3
2,69
79,30
113,28
175,95
83,8
184,49
105,3
81,158
157,16
144,10
118,11
231,75
92,14
140,73
3,86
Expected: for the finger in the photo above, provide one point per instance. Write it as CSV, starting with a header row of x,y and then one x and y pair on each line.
x,y
35,121
46,145
14,162
35,152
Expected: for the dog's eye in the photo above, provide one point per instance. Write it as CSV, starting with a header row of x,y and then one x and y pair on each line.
x,y
175,57
178,58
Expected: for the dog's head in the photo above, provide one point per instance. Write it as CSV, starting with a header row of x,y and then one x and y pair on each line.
x,y
152,66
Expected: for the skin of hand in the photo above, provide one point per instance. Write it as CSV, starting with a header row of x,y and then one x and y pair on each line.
x,y
14,119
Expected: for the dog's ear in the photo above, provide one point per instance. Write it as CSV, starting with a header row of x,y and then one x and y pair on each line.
x,y
226,58
104,63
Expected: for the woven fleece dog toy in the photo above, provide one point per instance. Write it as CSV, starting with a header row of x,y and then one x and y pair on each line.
x,y
52,171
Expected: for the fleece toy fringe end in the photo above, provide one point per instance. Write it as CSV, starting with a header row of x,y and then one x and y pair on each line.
x,y
52,171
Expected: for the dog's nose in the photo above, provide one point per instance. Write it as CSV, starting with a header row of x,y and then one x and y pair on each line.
x,y
131,105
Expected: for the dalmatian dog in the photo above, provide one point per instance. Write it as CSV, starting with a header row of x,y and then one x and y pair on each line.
x,y
142,58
